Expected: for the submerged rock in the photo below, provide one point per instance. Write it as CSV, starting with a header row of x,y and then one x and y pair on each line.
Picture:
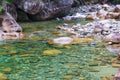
x,y
51,52
62,40
81,40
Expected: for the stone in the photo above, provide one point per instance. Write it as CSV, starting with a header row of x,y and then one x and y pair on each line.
x,y
115,65
90,17
81,40
51,52
106,27
117,8
94,70
67,18
62,40
98,28
9,24
113,37
12,36
114,48
43,9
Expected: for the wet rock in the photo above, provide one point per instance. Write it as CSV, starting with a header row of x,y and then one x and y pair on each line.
x,y
115,65
81,40
9,24
79,15
94,70
10,29
51,52
98,29
62,40
26,55
12,36
43,10
67,18
90,17
113,37
93,63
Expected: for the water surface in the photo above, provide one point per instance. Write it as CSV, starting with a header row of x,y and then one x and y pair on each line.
x,y
24,59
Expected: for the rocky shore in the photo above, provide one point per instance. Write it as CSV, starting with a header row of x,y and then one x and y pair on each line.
x,y
103,22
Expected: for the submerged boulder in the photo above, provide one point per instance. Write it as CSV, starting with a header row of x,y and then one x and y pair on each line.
x,y
61,40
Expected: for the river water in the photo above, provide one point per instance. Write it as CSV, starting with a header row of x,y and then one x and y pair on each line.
x,y
24,59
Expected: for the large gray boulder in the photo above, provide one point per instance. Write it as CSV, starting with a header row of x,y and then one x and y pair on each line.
x,y
42,9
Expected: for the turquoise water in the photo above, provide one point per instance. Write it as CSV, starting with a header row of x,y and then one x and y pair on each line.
x,y
24,59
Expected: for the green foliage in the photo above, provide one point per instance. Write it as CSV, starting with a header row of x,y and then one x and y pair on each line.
x,y
116,1
8,0
1,8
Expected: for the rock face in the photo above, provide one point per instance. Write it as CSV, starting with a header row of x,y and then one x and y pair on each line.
x,y
42,9
9,28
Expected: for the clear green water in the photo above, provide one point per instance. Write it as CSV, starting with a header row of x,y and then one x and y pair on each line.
x,y
24,59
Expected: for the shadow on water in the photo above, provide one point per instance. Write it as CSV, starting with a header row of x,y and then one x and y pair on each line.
x,y
24,59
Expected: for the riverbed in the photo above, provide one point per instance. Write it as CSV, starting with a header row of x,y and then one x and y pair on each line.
x,y
24,59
